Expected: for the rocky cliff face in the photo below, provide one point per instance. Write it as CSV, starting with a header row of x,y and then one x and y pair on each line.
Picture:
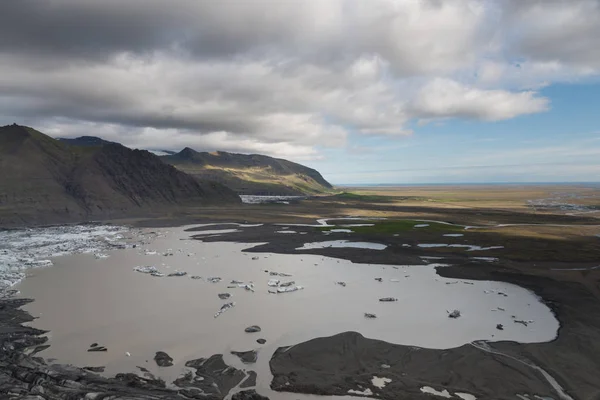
x,y
251,173
46,181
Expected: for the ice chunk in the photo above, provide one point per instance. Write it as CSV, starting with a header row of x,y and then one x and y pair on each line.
x,y
249,287
289,289
224,308
146,269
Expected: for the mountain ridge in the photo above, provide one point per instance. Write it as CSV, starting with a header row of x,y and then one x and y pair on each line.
x,y
85,141
251,173
46,181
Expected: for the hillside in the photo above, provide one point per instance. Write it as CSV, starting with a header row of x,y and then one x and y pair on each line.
x,y
46,181
250,174
85,141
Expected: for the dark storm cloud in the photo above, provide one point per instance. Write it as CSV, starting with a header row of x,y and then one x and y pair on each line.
x,y
96,29
84,28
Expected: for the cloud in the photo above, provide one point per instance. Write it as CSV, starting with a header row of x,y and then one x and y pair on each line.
x,y
284,77
170,139
443,35
565,32
444,98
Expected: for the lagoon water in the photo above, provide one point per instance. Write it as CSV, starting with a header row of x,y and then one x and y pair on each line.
x,y
342,244
83,299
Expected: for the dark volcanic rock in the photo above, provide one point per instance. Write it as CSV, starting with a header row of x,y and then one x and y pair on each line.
x,y
98,348
248,395
252,329
249,381
163,359
25,377
333,365
247,357
213,378
388,299
137,381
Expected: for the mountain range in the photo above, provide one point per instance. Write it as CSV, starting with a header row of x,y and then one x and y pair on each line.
x,y
251,174
45,181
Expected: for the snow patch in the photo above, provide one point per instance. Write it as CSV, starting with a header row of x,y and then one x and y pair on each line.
x,y
430,390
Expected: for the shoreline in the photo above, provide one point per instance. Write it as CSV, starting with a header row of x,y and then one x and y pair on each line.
x,y
456,271
574,306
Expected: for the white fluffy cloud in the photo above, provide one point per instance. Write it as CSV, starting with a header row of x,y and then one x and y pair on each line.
x,y
287,77
444,98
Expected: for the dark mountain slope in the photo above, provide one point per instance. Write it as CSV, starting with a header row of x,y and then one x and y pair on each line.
x,y
45,181
251,174
85,141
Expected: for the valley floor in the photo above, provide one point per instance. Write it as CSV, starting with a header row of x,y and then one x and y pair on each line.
x,y
540,238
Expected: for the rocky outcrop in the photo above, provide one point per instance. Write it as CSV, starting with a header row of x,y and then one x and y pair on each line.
x,y
24,376
248,395
247,357
163,359
250,381
213,378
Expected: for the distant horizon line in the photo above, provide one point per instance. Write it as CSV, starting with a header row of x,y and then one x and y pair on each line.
x,y
466,183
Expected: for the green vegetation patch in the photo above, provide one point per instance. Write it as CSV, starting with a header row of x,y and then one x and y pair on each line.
x,y
363,197
373,198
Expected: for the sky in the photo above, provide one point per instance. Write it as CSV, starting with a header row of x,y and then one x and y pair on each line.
x,y
366,91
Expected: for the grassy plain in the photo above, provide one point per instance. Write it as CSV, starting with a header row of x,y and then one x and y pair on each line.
x,y
494,215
